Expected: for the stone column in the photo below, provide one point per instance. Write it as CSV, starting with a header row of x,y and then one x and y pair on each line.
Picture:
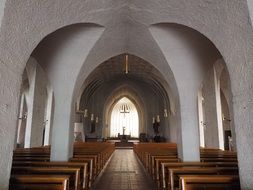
x,y
48,122
36,105
210,107
188,142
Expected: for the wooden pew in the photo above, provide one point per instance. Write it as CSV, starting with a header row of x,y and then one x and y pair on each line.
x,y
73,173
31,158
158,168
92,155
209,182
90,174
143,150
83,167
102,152
219,159
174,173
95,160
158,158
151,154
42,182
165,168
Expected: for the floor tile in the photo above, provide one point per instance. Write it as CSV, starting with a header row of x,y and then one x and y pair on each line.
x,y
124,172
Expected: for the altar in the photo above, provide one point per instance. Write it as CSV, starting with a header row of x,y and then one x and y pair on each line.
x,y
124,137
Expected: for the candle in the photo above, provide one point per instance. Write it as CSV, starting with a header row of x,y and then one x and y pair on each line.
x,y
92,117
153,119
158,118
97,119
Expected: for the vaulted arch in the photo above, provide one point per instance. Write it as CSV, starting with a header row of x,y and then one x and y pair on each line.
x,y
112,100
127,30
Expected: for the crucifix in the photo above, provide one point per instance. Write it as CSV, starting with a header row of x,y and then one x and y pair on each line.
x,y
124,110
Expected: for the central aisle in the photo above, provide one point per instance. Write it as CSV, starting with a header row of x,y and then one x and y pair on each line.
x,y
124,172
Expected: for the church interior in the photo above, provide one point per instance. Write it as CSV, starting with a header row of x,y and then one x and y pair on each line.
x,y
126,95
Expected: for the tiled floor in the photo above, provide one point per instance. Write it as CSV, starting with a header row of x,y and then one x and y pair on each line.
x,y
124,172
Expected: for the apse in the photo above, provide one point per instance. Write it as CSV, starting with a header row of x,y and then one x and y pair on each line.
x,y
124,119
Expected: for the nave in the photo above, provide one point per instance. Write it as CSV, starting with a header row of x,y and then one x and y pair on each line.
x,y
125,172
185,67
148,166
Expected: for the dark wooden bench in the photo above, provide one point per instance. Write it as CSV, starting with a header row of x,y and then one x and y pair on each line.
x,y
174,173
74,173
219,159
209,182
166,166
90,170
39,182
158,167
90,158
82,165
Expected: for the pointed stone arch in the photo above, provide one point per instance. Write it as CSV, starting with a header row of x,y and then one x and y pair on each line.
x,y
128,92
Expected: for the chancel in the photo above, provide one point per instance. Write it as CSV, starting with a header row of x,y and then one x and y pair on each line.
x,y
155,92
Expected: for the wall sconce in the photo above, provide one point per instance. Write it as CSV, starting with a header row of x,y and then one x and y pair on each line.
x,y
23,117
153,119
225,119
92,117
165,113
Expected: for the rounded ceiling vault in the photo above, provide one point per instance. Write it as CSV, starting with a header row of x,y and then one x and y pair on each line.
x,y
114,70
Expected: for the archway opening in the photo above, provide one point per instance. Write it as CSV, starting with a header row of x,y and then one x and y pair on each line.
x,y
124,119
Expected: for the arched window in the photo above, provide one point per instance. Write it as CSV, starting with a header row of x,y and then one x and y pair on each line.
x,y
124,115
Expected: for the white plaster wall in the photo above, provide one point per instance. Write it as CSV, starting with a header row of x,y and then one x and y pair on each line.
x,y
225,23
9,94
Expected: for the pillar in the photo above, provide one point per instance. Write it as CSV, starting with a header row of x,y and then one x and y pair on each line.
x,y
211,101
